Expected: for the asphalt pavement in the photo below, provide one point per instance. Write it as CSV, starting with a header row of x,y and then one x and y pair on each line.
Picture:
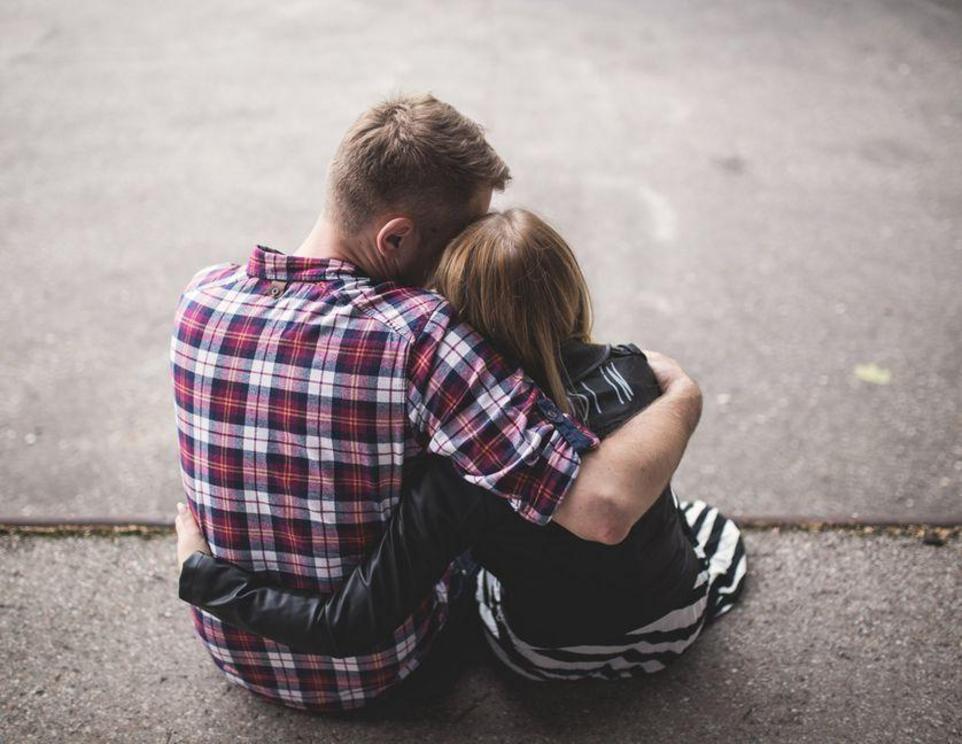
x,y
768,191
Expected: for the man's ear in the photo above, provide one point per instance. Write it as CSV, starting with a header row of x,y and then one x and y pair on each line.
x,y
395,234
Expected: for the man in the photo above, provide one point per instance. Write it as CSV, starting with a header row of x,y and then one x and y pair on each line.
x,y
306,383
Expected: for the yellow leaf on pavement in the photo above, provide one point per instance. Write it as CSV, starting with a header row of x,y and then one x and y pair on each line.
x,y
873,373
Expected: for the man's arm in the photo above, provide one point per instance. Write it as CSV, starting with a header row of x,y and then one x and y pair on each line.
x,y
621,480
477,408
501,433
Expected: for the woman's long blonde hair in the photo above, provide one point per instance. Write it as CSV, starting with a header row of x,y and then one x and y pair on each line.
x,y
515,279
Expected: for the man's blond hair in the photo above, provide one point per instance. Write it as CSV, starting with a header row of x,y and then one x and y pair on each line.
x,y
413,154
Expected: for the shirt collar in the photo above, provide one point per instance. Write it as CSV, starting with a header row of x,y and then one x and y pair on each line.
x,y
267,263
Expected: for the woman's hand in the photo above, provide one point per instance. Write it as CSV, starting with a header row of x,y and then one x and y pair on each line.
x,y
189,537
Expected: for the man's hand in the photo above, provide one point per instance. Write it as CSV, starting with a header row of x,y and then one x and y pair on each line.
x,y
673,380
667,371
189,537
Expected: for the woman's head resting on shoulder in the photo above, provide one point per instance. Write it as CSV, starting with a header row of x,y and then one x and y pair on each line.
x,y
515,279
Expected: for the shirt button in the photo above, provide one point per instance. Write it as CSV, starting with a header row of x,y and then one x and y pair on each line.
x,y
550,410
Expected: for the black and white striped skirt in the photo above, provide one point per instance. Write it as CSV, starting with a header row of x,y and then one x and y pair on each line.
x,y
719,545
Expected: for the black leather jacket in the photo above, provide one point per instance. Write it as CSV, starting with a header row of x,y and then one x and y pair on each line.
x,y
556,588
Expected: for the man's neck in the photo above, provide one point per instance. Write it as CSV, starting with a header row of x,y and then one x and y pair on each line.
x,y
324,241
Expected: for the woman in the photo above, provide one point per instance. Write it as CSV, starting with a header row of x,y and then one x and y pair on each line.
x,y
552,606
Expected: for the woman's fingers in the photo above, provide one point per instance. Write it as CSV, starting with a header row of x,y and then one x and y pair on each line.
x,y
180,521
185,521
189,537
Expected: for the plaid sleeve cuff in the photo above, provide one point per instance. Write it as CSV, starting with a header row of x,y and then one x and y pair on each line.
x,y
549,481
574,433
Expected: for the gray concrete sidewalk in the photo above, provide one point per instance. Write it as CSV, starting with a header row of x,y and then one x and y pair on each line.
x,y
840,638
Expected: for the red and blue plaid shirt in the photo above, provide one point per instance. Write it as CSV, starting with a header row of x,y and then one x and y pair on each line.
x,y
302,387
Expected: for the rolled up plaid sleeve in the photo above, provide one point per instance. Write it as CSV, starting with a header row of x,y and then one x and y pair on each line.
x,y
469,403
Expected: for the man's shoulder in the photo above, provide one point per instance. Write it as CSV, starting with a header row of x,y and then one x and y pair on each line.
x,y
401,310
211,276
404,310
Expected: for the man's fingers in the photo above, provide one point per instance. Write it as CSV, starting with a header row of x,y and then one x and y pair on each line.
x,y
656,357
666,369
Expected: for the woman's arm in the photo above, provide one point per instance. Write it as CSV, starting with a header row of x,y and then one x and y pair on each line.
x,y
436,520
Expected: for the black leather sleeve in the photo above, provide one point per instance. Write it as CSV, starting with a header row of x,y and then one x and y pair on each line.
x,y
438,517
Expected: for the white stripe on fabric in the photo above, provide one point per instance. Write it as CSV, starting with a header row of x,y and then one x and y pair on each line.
x,y
503,657
629,392
534,662
694,612
676,618
634,641
593,396
721,560
695,508
484,610
580,403
705,532
605,373
737,578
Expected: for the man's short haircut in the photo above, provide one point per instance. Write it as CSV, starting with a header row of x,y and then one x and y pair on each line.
x,y
414,154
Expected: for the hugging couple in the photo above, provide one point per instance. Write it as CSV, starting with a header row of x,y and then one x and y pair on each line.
x,y
404,430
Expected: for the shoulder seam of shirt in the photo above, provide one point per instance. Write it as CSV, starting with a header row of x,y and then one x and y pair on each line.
x,y
197,282
405,331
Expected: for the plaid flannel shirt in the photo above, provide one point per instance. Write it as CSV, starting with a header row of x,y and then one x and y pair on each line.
x,y
302,387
